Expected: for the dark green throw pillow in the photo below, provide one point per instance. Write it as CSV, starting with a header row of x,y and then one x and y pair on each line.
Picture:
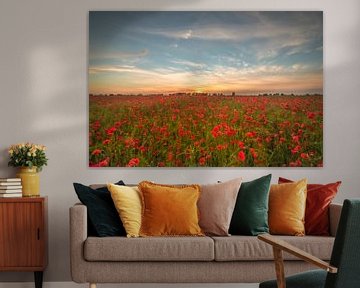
x,y
250,216
103,218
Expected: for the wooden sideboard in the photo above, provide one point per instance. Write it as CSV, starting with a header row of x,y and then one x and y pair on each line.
x,y
23,235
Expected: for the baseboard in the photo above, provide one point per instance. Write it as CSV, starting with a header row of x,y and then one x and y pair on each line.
x,y
74,285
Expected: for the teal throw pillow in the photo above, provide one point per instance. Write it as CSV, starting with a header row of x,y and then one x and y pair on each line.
x,y
250,216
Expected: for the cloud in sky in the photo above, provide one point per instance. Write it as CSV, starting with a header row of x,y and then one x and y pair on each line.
x,y
181,51
189,64
260,79
120,54
232,32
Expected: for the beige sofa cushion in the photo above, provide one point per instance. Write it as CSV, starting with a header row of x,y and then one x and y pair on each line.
x,y
243,248
149,249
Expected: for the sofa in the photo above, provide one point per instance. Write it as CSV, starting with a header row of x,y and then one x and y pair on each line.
x,y
233,259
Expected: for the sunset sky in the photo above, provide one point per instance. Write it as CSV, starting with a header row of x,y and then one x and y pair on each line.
x,y
213,52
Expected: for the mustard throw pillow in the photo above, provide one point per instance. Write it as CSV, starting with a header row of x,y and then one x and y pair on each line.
x,y
287,204
169,210
127,201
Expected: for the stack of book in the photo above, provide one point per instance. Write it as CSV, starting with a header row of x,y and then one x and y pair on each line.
x,y
10,187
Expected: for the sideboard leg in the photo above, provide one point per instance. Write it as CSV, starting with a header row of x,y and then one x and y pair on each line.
x,y
92,285
38,279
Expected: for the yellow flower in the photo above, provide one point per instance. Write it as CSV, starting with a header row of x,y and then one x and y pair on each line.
x,y
41,147
26,154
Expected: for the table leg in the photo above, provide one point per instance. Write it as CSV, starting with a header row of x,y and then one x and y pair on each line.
x,y
38,279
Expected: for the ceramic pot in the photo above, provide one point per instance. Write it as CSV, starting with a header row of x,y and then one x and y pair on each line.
x,y
30,181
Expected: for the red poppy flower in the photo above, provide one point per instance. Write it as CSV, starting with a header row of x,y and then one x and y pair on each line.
x,y
202,161
133,162
296,149
241,156
253,153
96,152
304,155
250,134
103,163
110,131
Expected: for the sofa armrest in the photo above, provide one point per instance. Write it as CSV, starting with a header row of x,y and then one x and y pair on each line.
x,y
334,217
78,235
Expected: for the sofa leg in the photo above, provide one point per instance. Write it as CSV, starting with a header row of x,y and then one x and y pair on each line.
x,y
92,285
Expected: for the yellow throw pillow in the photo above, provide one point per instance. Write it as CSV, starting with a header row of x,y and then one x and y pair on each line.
x,y
127,201
169,210
287,204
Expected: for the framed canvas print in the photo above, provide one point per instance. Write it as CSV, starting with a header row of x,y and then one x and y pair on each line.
x,y
205,89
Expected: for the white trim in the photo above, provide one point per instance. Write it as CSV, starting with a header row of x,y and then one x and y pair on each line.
x,y
74,285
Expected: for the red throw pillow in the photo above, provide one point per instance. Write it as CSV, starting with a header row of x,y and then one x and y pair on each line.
x,y
319,197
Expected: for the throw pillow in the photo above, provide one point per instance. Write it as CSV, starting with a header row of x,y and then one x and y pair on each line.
x,y
216,206
169,210
319,197
102,215
250,215
127,201
287,204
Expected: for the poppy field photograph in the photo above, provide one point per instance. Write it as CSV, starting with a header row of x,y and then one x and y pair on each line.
x,y
205,89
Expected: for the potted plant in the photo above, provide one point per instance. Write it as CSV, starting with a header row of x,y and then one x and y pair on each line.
x,y
30,158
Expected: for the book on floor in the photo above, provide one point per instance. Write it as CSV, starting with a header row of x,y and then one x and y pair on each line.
x,y
9,195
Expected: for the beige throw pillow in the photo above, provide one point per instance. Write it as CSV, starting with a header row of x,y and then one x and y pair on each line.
x,y
216,206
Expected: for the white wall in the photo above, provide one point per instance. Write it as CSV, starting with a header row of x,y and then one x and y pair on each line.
x,y
43,90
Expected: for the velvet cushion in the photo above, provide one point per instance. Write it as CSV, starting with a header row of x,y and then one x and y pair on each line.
x,y
250,215
309,279
169,210
102,214
287,204
127,201
319,197
216,206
